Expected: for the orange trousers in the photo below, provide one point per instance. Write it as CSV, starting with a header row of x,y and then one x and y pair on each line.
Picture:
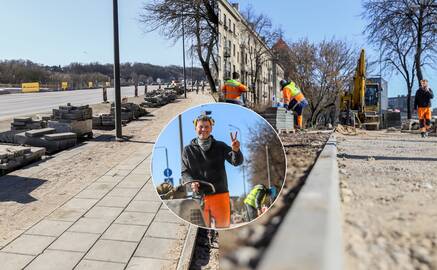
x,y
424,114
218,207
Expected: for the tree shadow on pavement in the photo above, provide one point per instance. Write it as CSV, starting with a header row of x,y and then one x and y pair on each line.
x,y
347,156
109,138
18,189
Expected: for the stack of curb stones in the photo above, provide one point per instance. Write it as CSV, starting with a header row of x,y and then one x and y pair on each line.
x,y
159,98
14,157
21,124
280,119
75,119
47,138
129,112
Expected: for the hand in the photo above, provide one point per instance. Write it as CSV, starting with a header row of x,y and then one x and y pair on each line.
x,y
195,187
235,143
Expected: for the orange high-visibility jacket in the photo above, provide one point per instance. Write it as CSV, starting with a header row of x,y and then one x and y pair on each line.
x,y
233,89
290,92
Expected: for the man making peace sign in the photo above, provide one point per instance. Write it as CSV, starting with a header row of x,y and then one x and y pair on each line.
x,y
204,159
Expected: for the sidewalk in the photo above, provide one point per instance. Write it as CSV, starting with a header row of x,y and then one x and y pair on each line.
x,y
113,221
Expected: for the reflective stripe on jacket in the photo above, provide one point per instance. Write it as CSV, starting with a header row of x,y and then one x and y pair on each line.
x,y
251,198
290,92
233,89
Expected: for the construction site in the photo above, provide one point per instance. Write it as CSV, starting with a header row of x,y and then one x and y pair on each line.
x,y
349,120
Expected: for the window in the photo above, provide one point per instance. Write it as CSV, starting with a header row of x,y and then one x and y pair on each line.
x,y
234,50
224,20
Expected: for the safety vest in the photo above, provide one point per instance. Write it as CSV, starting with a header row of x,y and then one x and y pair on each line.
x,y
233,89
251,198
290,92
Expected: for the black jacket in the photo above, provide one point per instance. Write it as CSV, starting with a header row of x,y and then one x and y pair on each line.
x,y
209,166
423,98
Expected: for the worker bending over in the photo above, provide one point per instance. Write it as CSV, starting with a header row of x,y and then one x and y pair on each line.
x,y
294,100
233,90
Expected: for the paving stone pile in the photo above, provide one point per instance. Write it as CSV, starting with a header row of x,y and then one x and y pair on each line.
x,y
75,119
129,112
13,157
158,98
48,138
279,118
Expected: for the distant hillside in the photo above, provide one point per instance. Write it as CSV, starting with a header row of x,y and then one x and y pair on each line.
x,y
15,72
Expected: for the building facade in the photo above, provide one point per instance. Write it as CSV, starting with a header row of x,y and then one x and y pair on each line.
x,y
242,50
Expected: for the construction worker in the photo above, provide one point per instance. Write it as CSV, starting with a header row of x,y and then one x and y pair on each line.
x,y
257,198
233,90
204,159
422,103
294,100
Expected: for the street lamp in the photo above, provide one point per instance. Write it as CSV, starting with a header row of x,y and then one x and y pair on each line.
x,y
183,53
244,174
118,129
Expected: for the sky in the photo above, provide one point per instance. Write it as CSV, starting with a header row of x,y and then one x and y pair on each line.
x,y
58,32
227,118
317,20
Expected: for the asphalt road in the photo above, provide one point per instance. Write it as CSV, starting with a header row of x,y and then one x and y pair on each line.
x,y
12,105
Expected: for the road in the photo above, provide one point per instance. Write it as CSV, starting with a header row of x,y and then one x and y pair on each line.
x,y
22,104
388,183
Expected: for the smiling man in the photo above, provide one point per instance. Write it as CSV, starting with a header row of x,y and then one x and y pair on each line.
x,y
204,159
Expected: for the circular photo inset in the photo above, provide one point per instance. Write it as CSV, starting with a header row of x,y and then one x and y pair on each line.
x,y
218,165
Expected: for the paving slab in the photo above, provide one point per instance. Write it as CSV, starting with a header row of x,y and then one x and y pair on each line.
x,y
138,263
79,203
55,260
111,251
11,261
144,206
99,265
75,241
167,216
124,232
147,196
102,212
49,227
168,230
114,201
160,248
90,225
29,244
135,218
123,192
66,214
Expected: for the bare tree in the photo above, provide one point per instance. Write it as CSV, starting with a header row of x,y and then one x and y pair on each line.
x,y
263,135
323,71
200,21
260,37
405,31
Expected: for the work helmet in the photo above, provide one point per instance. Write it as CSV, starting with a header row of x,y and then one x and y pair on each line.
x,y
203,117
283,83
273,192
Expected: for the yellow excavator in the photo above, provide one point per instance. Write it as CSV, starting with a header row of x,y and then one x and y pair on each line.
x,y
361,107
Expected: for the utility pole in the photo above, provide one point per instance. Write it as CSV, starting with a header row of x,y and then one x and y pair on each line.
x,y
268,166
118,129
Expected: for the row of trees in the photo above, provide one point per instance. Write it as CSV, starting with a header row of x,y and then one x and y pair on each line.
x,y
78,74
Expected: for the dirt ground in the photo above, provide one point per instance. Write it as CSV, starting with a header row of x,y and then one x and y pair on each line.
x,y
389,195
242,248
29,194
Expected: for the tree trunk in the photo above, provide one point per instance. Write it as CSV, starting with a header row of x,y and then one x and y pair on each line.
x,y
409,102
418,54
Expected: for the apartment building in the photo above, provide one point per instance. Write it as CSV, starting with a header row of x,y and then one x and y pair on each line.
x,y
239,50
